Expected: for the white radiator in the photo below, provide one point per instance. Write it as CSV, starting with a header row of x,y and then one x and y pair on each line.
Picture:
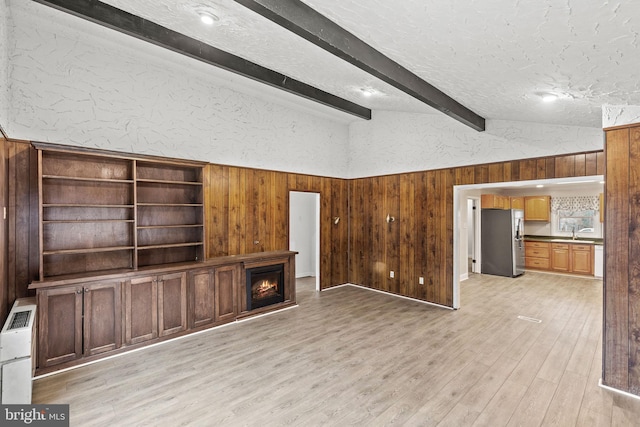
x,y
17,353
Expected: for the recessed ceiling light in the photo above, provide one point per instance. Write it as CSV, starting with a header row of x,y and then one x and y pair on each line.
x,y
367,92
207,18
549,97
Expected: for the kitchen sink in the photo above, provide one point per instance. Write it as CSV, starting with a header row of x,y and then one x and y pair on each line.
x,y
572,241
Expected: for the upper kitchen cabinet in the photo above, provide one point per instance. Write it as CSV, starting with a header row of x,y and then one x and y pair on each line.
x,y
517,202
537,208
494,201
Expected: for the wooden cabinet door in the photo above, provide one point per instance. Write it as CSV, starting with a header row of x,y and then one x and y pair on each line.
x,y
102,317
560,258
172,303
582,259
537,208
517,203
141,309
226,303
59,325
201,299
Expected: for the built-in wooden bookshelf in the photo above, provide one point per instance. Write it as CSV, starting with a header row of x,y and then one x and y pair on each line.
x,y
169,204
104,211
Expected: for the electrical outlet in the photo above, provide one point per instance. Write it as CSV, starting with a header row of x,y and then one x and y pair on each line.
x,y
392,274
421,281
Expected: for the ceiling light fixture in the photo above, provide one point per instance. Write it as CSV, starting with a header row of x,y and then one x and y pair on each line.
x,y
549,97
367,92
208,18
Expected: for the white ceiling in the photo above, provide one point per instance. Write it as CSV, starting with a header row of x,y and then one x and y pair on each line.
x,y
493,56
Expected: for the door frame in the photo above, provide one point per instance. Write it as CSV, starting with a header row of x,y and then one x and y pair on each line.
x,y
316,237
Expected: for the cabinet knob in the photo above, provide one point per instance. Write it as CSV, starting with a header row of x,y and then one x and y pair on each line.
x,y
79,291
86,290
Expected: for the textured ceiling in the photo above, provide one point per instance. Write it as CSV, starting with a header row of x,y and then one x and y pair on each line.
x,y
493,56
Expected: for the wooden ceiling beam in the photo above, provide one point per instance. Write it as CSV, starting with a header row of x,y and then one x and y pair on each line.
x,y
304,21
135,26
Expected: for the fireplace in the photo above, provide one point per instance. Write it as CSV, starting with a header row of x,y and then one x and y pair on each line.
x,y
265,286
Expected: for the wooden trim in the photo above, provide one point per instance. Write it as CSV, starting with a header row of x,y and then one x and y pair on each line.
x,y
97,152
618,127
616,289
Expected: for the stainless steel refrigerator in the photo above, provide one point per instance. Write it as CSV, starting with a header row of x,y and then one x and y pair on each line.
x,y
502,244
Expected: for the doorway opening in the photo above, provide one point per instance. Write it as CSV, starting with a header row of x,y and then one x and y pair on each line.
x,y
473,235
560,187
304,233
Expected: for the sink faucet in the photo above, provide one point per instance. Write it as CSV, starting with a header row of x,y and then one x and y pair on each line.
x,y
573,233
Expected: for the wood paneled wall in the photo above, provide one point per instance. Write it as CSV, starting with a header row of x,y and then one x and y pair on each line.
x,y
22,219
4,198
248,211
420,241
621,346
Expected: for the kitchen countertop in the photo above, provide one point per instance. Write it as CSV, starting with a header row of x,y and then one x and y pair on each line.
x,y
561,239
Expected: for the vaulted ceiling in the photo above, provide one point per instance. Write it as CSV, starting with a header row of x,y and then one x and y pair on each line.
x,y
495,57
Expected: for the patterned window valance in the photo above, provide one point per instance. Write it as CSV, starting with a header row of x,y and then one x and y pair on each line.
x,y
575,203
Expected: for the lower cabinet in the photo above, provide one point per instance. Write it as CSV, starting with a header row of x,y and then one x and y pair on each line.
x,y
582,259
226,284
536,255
574,258
172,303
560,258
155,306
140,309
77,321
81,317
213,295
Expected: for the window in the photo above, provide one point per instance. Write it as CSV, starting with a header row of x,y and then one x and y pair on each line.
x,y
578,221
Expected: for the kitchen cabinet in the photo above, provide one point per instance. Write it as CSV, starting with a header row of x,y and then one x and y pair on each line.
x,y
582,259
537,255
77,321
537,208
573,258
560,257
517,202
494,201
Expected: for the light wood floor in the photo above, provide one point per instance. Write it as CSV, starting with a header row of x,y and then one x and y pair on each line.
x,y
349,356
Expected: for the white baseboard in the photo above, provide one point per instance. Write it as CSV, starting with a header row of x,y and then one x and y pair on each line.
x,y
615,390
